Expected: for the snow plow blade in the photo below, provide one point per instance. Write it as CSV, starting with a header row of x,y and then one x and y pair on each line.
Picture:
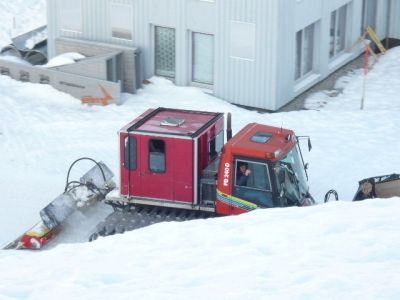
x,y
386,186
91,188
34,239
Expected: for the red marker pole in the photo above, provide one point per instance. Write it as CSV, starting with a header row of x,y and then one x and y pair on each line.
x,y
366,67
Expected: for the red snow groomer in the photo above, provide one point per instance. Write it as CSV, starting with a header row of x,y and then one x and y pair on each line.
x,y
174,166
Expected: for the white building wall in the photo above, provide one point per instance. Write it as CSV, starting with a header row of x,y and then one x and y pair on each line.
x,y
307,12
394,27
265,81
242,81
382,17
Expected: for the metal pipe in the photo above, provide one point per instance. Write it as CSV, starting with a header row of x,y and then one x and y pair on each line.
x,y
229,127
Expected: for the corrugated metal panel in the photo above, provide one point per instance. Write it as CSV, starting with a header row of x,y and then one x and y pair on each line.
x,y
319,13
247,82
382,18
395,19
265,82
51,28
95,21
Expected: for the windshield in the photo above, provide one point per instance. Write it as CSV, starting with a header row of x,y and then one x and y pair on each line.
x,y
291,176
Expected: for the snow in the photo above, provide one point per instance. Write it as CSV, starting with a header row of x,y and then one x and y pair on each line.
x,y
339,250
18,17
15,59
36,39
64,59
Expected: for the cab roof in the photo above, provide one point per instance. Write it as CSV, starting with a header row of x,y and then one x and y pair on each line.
x,y
173,122
262,142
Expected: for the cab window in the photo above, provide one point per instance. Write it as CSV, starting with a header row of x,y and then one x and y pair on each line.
x,y
157,153
252,182
130,153
215,145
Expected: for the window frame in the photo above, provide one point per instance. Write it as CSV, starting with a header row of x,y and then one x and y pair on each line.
x,y
156,71
163,152
193,55
251,39
248,161
128,6
338,13
299,73
217,139
127,153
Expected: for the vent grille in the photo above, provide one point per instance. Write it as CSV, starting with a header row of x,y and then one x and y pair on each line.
x,y
173,122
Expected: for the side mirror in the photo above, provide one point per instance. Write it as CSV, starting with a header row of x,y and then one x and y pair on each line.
x,y
282,192
309,145
281,175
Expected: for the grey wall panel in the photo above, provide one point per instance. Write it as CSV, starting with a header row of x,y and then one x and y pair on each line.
x,y
267,81
201,16
306,12
51,28
394,27
247,82
88,49
78,86
286,54
164,13
382,17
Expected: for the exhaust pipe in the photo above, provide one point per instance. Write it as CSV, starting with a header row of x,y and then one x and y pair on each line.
x,y
229,127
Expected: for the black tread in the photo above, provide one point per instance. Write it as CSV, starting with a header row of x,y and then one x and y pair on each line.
x,y
138,216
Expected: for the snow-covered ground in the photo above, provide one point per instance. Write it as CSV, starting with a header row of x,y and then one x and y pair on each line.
x,y
20,16
340,250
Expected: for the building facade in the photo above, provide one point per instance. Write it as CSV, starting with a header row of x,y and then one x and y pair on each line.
x,y
255,53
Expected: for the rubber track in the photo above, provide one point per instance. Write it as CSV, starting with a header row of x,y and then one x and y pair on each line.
x,y
135,217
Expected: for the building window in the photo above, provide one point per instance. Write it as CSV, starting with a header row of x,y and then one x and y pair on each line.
x,y
338,31
252,183
157,156
71,15
203,58
165,51
304,51
121,20
243,40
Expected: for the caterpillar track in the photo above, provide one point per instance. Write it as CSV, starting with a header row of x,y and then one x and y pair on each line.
x,y
137,216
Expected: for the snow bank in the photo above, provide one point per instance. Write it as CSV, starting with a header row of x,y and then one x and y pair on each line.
x,y
64,59
36,39
20,16
15,59
340,250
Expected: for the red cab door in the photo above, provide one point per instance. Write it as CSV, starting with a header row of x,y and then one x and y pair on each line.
x,y
156,176
130,165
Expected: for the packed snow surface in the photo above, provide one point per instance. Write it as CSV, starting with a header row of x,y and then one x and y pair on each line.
x,y
36,39
64,59
18,17
339,250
